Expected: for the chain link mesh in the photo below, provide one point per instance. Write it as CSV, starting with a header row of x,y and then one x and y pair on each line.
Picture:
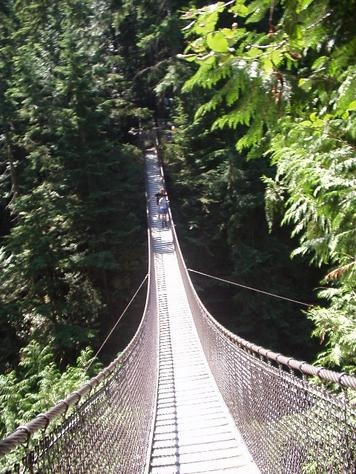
x,y
109,432
290,424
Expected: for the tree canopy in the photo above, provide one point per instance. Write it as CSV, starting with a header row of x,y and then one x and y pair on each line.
x,y
72,246
282,75
257,99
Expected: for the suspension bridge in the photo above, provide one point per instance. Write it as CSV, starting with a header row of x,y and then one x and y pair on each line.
x,y
188,396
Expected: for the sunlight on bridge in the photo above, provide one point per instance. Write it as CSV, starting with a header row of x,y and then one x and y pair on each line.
x,y
193,431
188,396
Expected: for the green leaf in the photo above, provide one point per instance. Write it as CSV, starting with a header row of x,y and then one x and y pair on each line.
x,y
303,5
352,105
305,84
217,42
254,52
206,23
267,66
318,63
240,10
276,57
230,34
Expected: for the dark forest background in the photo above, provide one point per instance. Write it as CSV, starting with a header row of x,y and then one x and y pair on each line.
x,y
78,78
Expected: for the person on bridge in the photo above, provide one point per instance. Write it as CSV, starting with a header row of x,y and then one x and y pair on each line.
x,y
158,195
163,210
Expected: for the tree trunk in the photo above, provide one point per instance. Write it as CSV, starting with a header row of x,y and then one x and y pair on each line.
x,y
14,180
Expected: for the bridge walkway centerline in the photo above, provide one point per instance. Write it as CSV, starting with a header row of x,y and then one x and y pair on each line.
x,y
193,429
180,395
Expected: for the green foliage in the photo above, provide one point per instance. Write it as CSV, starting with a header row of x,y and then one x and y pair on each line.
x,y
317,167
337,325
289,90
68,170
37,384
217,200
149,33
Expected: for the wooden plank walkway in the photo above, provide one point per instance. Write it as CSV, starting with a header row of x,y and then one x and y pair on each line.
x,y
193,432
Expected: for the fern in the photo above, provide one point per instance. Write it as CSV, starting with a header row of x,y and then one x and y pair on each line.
x,y
274,199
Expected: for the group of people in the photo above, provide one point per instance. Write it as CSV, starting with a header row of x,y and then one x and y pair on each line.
x,y
162,203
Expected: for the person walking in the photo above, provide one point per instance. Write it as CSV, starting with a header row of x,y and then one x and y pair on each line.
x,y
163,209
158,195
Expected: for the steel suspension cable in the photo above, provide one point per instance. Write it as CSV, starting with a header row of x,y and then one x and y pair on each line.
x,y
115,325
249,287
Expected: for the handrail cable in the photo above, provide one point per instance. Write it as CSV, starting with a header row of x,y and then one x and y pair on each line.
x,y
115,325
249,287
289,424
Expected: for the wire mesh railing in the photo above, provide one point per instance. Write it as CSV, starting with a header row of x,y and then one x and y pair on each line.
x,y
105,424
290,423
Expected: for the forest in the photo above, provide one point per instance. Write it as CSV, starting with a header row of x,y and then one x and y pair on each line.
x,y
256,102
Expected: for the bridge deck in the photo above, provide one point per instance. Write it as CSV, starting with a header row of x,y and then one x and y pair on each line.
x,y
193,432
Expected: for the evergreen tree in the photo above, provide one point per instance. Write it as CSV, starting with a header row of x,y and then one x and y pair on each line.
x,y
68,247
218,204
283,75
